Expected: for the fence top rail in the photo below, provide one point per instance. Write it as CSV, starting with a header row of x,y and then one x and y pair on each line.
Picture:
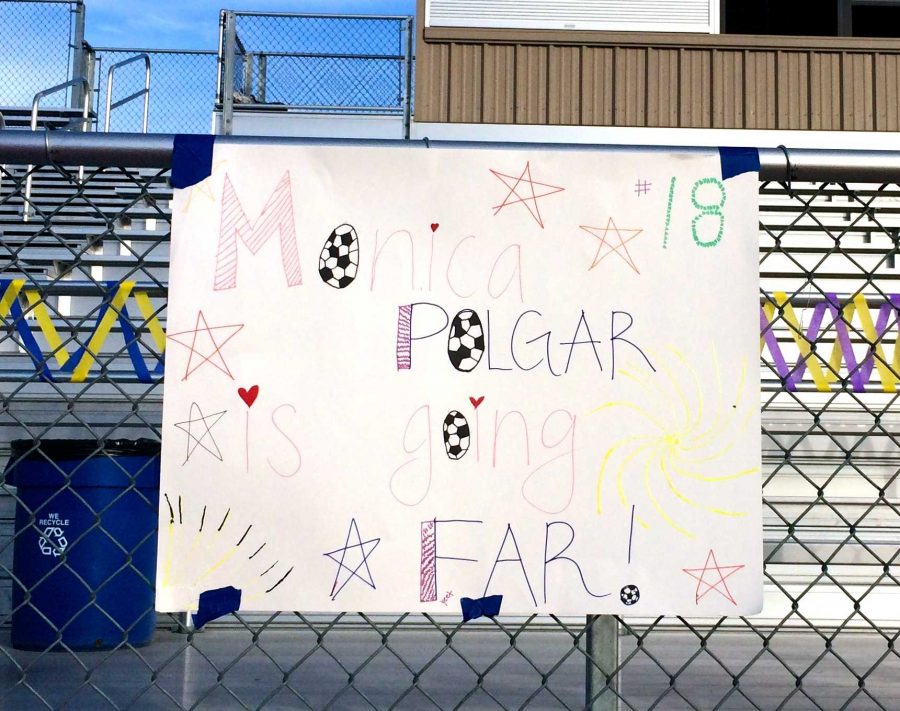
x,y
130,60
325,55
319,16
154,150
145,50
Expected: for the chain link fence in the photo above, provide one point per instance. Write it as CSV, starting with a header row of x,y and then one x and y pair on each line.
x,y
93,258
38,37
317,62
182,89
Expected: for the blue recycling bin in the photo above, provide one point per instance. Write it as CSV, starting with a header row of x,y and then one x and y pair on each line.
x,y
84,557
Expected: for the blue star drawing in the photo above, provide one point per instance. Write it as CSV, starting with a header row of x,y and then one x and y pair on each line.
x,y
358,554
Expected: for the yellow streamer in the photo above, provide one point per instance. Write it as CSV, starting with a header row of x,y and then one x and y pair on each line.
x,y
153,325
818,375
888,379
58,350
12,292
99,336
824,378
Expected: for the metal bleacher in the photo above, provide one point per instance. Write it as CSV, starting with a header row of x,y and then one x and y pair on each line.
x,y
79,234
52,118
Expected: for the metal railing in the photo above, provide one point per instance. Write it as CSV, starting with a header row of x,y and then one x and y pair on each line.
x,y
829,232
288,62
145,92
183,95
85,86
85,103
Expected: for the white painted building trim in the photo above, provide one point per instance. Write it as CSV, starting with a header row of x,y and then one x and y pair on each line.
x,y
616,15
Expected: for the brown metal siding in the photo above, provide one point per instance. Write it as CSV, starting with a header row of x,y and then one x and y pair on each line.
x,y
666,80
499,84
825,91
564,85
728,89
597,72
887,92
466,67
531,83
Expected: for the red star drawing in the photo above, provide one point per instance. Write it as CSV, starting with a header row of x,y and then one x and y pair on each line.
x,y
528,195
202,343
712,576
615,245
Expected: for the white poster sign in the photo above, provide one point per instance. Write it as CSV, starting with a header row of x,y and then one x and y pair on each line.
x,y
397,377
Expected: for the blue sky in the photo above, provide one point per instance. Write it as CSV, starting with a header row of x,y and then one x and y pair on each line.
x,y
192,24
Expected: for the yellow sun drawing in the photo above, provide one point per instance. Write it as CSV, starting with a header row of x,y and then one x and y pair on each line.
x,y
204,188
207,548
688,442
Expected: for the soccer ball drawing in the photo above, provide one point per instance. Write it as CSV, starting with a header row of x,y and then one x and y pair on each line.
x,y
465,345
456,434
629,594
339,259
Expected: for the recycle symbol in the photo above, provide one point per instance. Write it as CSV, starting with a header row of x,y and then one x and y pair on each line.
x,y
53,542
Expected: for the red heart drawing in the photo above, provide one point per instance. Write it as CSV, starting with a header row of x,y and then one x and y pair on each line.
x,y
249,396
434,226
476,401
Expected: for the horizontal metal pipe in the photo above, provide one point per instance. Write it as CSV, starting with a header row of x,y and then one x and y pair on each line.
x,y
316,108
331,55
95,149
155,150
304,16
814,165
141,50
121,102
113,376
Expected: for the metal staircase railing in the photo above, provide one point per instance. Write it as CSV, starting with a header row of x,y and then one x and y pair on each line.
x,y
145,92
85,86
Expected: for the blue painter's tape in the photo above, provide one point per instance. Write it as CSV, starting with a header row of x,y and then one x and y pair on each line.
x,y
191,159
215,604
481,607
738,160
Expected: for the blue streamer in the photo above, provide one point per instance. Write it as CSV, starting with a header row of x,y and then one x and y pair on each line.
x,y
28,340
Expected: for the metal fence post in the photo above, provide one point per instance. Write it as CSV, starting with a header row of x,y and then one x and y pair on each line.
x,y
407,77
602,641
79,68
90,67
263,65
228,50
248,74
220,58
